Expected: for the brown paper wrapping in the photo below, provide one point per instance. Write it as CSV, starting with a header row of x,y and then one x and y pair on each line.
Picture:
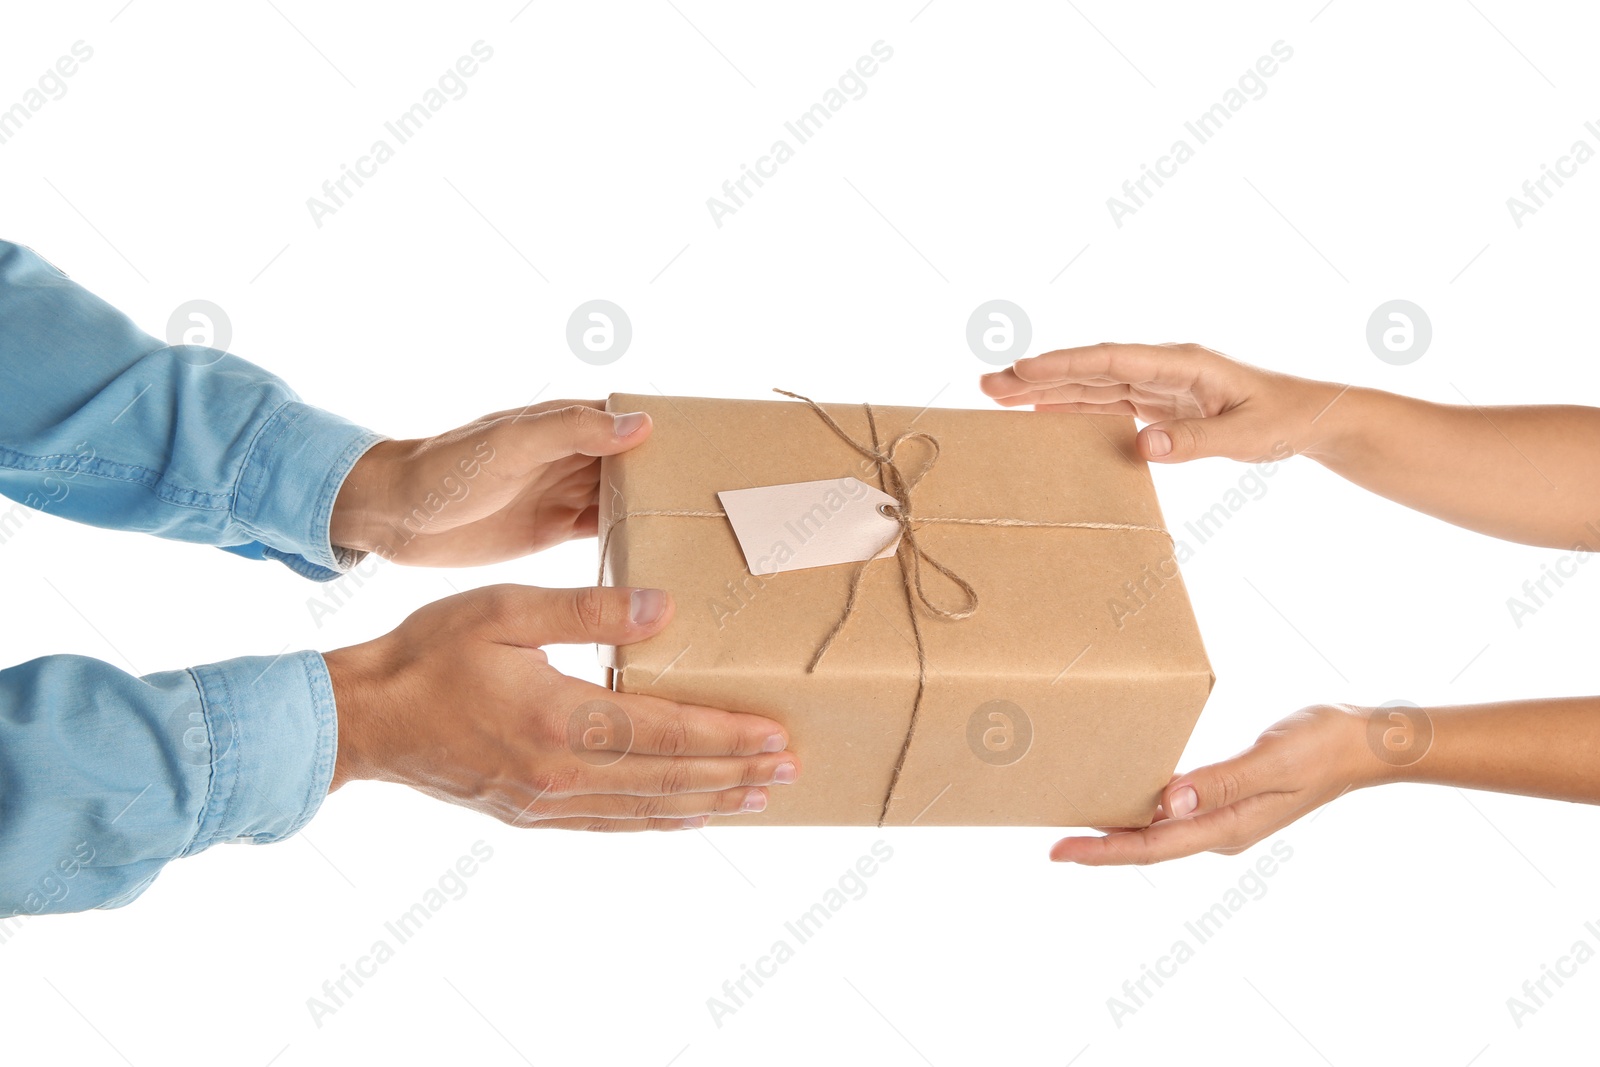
x,y
1083,638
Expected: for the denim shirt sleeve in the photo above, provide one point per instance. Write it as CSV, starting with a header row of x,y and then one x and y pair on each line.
x,y
105,778
104,424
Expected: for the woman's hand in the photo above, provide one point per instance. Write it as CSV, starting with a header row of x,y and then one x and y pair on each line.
x,y
1315,755
1524,473
461,703
1197,402
499,487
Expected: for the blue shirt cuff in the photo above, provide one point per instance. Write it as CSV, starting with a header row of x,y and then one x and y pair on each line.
x,y
290,479
272,736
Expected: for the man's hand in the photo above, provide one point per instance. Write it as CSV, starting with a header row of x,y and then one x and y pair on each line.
x,y
460,703
1198,402
1314,756
499,487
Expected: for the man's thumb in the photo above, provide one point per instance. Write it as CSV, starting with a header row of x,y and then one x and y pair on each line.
x,y
580,430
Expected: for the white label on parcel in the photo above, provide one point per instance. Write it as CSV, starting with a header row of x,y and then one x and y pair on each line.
x,y
810,524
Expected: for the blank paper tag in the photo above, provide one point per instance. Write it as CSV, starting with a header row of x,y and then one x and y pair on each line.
x,y
810,524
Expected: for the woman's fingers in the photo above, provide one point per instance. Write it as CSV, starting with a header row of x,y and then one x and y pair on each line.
x,y
1073,393
1235,827
1160,841
1295,766
1164,368
1118,407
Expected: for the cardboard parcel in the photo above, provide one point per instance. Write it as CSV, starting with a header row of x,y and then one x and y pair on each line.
x,y
961,617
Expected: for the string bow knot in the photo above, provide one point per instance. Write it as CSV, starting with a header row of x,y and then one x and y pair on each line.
x,y
898,483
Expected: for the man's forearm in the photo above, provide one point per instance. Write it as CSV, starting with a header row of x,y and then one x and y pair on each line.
x,y
1525,474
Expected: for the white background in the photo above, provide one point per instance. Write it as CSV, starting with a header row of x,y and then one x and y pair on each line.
x,y
977,166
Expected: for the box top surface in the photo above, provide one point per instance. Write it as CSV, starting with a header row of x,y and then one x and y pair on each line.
x,y
1050,599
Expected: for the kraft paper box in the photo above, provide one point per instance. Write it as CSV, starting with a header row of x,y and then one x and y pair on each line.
x,y
1063,698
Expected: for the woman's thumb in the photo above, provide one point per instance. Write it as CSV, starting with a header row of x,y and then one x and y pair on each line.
x,y
1209,788
1182,439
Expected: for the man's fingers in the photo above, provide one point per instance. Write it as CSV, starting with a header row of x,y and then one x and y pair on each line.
x,y
739,801
639,775
605,615
618,826
664,728
587,524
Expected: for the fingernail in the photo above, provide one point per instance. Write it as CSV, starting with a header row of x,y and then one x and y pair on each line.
x,y
1160,442
786,773
694,823
755,800
646,605
773,743
1184,801
623,425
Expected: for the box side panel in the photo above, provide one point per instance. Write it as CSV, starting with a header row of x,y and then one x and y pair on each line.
x,y
847,731
1083,751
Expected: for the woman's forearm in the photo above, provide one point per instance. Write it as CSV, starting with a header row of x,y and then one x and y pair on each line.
x,y
1528,474
1538,748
